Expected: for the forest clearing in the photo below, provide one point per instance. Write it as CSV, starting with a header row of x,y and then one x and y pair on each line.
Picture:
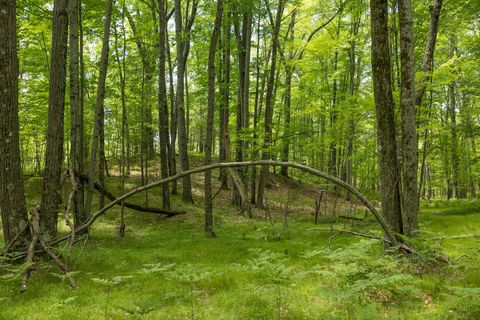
x,y
239,159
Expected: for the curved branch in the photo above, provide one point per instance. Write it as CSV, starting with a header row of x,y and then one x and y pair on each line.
x,y
388,232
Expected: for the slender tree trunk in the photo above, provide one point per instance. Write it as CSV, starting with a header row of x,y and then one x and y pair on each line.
x,y
76,115
455,159
210,116
172,162
409,117
427,61
182,133
12,199
333,153
382,85
122,74
269,105
224,115
243,33
101,156
97,125
288,99
162,102
56,107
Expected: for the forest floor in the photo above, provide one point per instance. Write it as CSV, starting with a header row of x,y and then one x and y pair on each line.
x,y
165,268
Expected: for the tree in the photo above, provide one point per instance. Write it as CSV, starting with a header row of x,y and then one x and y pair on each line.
x,y
210,116
409,116
382,87
99,109
243,35
12,199
269,105
162,102
76,115
56,104
183,48
427,60
224,116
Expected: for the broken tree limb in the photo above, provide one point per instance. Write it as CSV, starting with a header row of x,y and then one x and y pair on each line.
x,y
37,239
388,232
241,190
130,205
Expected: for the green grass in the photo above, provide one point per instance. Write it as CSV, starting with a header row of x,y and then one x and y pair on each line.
x,y
167,269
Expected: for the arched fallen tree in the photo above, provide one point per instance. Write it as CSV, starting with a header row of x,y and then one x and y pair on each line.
x,y
388,232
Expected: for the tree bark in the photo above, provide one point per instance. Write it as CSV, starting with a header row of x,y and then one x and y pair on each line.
x,y
182,54
97,125
427,61
224,115
288,99
243,34
56,107
76,115
162,102
12,200
382,86
269,105
209,232
409,117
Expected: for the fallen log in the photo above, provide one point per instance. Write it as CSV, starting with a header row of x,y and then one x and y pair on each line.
x,y
110,196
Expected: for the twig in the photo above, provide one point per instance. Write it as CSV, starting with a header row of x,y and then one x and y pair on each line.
x,y
77,258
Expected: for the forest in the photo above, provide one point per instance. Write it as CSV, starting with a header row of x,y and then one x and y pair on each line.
x,y
239,159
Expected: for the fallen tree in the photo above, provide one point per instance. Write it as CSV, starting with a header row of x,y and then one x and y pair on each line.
x,y
388,232
102,190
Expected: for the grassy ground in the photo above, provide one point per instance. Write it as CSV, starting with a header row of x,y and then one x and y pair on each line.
x,y
255,269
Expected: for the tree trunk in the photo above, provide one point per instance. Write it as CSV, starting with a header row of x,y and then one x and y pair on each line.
x,y
121,63
288,99
224,115
76,116
243,35
210,116
172,162
182,133
427,62
409,117
382,85
162,102
97,125
455,160
12,200
56,107
353,104
269,105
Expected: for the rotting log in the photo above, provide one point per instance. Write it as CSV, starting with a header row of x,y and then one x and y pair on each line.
x,y
388,232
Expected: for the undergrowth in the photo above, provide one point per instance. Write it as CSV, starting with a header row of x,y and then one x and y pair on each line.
x,y
254,269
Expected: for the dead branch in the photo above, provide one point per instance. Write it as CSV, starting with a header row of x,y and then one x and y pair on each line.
x,y
102,190
30,256
37,239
